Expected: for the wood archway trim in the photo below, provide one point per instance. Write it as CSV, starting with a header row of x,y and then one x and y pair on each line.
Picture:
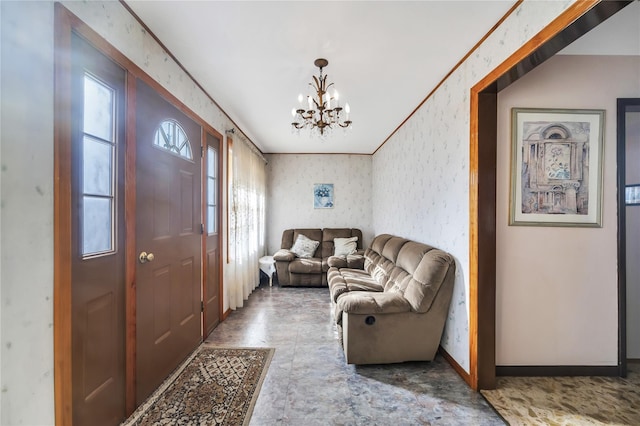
x,y
574,22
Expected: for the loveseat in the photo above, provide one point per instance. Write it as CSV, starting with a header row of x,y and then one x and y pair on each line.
x,y
394,308
296,269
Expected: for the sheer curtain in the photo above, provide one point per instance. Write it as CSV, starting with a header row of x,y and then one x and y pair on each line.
x,y
246,221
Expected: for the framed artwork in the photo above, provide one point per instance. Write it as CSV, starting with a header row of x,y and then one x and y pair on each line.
x,y
323,196
632,195
556,167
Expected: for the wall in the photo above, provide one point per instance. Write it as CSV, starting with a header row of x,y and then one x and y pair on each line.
x,y
421,174
26,150
27,213
632,233
557,286
290,179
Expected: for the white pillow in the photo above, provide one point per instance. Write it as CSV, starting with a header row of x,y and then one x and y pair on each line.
x,y
304,247
344,246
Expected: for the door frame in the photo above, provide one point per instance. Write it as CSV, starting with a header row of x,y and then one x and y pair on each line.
x,y
622,104
66,23
574,22
207,129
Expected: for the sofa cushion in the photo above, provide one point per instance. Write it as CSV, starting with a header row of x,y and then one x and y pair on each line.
x,y
345,280
329,234
344,246
306,266
304,247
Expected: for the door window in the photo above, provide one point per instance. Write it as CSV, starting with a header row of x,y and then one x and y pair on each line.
x,y
98,168
171,137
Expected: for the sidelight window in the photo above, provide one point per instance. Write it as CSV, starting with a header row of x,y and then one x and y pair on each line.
x,y
212,189
98,167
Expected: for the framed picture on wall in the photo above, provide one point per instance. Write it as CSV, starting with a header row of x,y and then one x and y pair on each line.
x,y
556,167
323,196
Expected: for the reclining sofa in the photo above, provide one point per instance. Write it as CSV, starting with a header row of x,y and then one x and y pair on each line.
x,y
311,271
394,308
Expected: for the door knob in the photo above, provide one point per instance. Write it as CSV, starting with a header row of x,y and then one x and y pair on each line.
x,y
146,257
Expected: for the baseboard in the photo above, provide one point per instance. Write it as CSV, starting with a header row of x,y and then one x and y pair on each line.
x,y
457,367
557,370
226,314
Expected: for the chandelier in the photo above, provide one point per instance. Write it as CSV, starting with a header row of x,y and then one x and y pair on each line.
x,y
323,108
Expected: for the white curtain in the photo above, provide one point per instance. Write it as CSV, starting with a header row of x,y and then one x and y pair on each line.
x,y
246,221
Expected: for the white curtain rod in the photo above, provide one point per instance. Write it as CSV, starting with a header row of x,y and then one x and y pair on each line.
x,y
247,142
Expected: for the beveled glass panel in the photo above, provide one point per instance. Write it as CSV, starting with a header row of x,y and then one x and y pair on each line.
x,y
211,191
97,160
212,161
98,109
211,220
97,236
170,136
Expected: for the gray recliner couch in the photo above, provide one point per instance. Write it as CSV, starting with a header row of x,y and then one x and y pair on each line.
x,y
394,309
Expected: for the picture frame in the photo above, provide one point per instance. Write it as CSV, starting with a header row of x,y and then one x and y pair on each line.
x,y
556,167
632,195
323,196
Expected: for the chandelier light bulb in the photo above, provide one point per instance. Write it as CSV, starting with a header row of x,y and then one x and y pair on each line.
x,y
293,112
336,95
300,98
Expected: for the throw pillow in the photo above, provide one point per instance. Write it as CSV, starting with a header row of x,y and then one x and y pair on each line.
x,y
344,246
304,247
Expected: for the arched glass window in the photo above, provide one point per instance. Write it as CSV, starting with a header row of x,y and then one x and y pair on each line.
x,y
170,136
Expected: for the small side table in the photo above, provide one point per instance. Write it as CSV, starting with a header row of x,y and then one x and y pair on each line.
x,y
268,266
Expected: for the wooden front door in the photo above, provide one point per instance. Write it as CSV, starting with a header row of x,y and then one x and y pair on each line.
x,y
168,230
97,236
211,294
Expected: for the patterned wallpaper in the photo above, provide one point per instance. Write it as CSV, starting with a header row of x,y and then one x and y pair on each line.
x,y
290,193
421,175
422,170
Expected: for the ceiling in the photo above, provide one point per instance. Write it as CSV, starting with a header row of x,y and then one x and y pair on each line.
x,y
254,58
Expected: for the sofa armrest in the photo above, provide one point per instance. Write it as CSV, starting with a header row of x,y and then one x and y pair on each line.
x,y
366,302
284,255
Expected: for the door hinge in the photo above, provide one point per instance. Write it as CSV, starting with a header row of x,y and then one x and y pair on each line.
x,y
201,306
201,151
202,229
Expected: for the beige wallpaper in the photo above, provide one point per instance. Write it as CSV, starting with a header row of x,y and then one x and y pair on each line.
x,y
557,286
290,193
421,175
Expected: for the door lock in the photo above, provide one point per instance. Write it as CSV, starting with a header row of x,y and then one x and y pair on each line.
x,y
146,257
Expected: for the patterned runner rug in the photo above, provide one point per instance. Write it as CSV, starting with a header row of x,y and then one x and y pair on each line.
x,y
215,386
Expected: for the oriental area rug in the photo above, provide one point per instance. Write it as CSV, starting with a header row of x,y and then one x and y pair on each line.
x,y
214,386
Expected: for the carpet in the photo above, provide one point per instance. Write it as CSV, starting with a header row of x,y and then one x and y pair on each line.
x,y
214,386
568,400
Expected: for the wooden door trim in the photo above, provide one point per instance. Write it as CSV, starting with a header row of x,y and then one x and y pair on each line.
x,y
66,23
62,220
574,22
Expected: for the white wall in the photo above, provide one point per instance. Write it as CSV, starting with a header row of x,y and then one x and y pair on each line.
x,y
290,179
557,286
633,237
26,132
421,175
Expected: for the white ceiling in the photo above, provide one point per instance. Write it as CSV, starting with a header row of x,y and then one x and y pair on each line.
x,y
255,57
